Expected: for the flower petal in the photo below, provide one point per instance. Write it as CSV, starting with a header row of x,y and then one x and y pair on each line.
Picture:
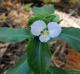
x,y
54,29
44,38
37,27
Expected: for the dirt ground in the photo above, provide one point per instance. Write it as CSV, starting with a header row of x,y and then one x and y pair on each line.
x,y
68,21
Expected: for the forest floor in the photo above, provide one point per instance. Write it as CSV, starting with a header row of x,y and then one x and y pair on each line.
x,y
68,20
10,53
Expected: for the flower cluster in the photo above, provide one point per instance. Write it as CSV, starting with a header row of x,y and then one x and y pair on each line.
x,y
45,32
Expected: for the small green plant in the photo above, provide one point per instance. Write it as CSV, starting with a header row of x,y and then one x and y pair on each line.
x,y
43,28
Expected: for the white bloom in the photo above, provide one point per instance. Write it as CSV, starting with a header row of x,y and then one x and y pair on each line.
x,y
37,27
44,38
54,29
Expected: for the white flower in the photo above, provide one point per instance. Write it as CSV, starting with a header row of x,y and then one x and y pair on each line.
x,y
44,37
54,29
39,28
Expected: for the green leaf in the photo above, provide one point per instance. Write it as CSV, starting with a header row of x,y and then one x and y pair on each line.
x,y
39,56
45,10
13,34
72,37
56,18
21,67
45,18
73,72
55,70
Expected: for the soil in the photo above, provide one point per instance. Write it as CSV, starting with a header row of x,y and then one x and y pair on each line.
x,y
68,20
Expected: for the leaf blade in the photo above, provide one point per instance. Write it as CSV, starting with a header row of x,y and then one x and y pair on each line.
x,y
45,10
13,35
55,70
21,67
38,56
72,37
73,72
